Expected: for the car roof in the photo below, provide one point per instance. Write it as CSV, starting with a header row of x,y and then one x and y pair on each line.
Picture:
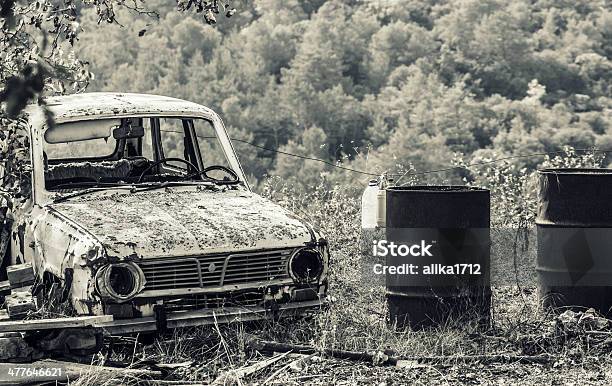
x,y
107,104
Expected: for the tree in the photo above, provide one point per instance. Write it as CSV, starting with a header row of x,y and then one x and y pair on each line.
x,y
466,78
305,172
394,45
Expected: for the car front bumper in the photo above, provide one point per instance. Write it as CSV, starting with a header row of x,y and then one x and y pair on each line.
x,y
224,315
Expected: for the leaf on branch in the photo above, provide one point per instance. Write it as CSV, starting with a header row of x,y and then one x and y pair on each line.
x,y
22,88
6,8
208,7
209,16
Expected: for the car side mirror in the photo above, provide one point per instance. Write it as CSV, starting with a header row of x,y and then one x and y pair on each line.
x,y
127,130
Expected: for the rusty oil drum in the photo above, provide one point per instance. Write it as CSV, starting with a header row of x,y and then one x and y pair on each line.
x,y
456,221
574,236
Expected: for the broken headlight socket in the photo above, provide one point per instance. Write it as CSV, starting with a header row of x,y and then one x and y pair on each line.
x,y
305,266
120,281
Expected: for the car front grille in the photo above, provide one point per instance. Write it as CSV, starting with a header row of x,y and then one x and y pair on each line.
x,y
194,302
215,270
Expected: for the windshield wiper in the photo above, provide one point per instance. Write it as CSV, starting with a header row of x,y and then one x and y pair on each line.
x,y
165,184
97,188
96,184
133,189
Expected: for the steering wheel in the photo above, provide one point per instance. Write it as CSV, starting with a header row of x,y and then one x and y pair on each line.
x,y
233,175
162,161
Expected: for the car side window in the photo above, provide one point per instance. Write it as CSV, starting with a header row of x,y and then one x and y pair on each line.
x,y
211,150
176,135
172,133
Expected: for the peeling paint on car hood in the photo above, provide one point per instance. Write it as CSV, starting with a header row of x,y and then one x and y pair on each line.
x,y
184,221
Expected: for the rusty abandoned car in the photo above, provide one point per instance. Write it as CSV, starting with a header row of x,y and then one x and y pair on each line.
x,y
140,209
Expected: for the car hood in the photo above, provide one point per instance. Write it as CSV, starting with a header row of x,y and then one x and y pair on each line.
x,y
184,221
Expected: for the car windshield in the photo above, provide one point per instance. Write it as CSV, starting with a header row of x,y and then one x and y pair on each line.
x,y
135,150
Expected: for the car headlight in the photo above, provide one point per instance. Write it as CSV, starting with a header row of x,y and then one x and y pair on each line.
x,y
306,265
119,281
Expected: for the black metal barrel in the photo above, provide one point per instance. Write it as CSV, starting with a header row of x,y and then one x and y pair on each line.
x,y
574,233
454,220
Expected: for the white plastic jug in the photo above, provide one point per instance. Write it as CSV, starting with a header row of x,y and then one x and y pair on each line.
x,y
369,206
381,208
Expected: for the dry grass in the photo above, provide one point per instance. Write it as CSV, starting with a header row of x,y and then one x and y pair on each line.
x,y
356,321
518,328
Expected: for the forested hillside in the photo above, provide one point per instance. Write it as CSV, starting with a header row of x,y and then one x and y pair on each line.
x,y
375,84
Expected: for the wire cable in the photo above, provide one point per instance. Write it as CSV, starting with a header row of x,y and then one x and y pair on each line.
x,y
306,158
281,152
450,168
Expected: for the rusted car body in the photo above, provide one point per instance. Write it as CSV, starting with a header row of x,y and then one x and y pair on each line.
x,y
132,215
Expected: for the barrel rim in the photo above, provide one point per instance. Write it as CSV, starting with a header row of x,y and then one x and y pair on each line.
x,y
437,189
575,171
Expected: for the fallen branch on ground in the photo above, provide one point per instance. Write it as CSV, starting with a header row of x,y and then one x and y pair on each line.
x,y
266,346
380,358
